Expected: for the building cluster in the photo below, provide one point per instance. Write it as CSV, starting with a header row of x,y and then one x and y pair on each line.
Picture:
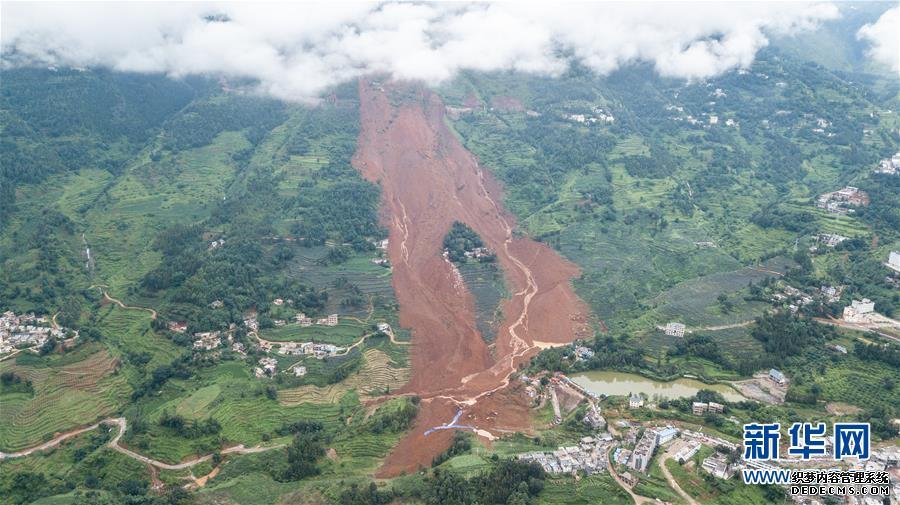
x,y
589,456
794,297
319,351
305,321
646,446
889,166
674,329
251,323
593,418
267,368
582,352
700,408
215,244
831,294
207,340
843,200
600,115
830,239
177,326
26,330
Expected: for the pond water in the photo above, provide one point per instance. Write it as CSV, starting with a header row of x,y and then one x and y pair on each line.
x,y
623,384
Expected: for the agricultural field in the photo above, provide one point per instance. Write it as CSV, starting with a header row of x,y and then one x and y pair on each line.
x,y
66,394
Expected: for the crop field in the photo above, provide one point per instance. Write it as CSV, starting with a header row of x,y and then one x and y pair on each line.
x,y
347,332
622,267
377,374
130,329
599,488
485,282
853,381
371,279
64,398
694,303
151,194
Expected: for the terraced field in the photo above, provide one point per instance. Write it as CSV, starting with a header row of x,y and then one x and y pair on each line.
x,y
694,302
594,489
376,374
64,397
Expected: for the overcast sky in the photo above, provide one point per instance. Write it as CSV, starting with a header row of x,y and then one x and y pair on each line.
x,y
296,51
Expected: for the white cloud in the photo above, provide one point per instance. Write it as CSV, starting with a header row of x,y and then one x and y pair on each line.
x,y
296,51
883,39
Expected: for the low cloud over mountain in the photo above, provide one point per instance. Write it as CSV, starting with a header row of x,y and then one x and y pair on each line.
x,y
296,51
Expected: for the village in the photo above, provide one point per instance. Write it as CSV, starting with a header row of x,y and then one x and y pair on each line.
x,y
28,331
267,366
627,448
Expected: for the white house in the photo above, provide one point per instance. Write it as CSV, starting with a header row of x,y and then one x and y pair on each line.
x,y
894,261
859,310
675,329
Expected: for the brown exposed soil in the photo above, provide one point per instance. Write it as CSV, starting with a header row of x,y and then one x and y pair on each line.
x,y
428,180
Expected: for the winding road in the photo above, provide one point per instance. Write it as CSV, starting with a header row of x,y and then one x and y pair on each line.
x,y
113,444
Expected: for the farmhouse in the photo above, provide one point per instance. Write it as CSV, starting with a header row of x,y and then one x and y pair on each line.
x,y
207,340
889,166
635,401
302,320
267,368
675,329
299,371
699,408
177,326
331,320
859,311
831,293
217,304
582,352
831,239
777,376
716,408
841,201
893,261
278,301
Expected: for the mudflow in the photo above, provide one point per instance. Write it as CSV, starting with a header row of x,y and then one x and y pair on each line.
x,y
428,181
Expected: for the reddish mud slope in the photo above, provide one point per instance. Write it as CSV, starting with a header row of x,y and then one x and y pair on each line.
x,y
429,180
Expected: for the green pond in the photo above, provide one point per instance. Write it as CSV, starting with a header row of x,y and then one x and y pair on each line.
x,y
623,384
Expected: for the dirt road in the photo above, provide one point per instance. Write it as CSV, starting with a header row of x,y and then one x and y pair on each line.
x,y
671,480
113,444
428,181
